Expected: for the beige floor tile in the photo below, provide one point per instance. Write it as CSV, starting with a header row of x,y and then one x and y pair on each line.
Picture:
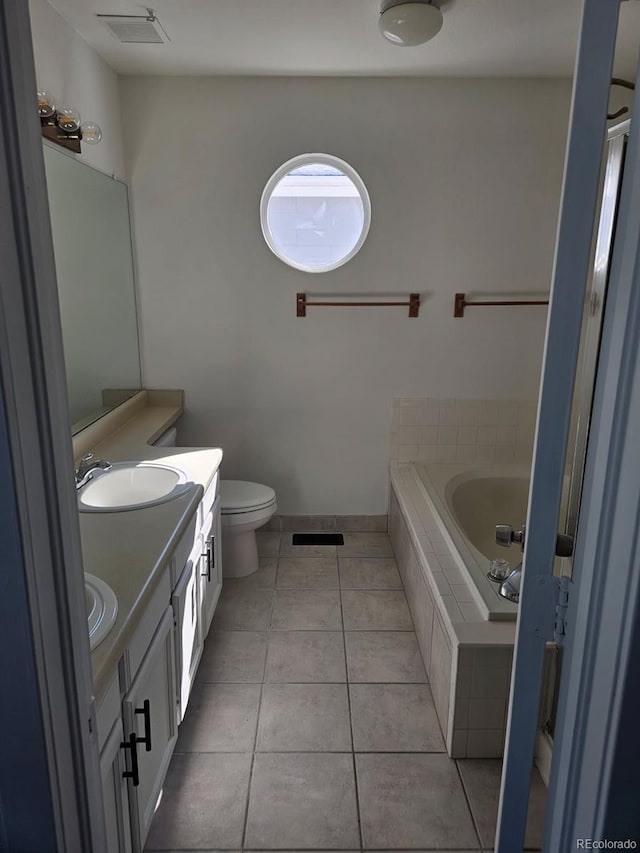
x,y
288,549
220,718
304,800
268,543
233,656
308,656
243,610
308,523
203,804
369,573
308,573
412,800
304,718
361,523
307,610
481,779
264,578
375,610
384,656
394,718
366,545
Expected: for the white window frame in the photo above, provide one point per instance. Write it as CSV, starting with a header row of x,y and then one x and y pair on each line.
x,y
297,163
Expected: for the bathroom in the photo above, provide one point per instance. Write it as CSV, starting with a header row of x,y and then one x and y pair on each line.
x,y
460,147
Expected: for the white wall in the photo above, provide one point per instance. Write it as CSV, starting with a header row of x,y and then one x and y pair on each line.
x,y
464,178
75,74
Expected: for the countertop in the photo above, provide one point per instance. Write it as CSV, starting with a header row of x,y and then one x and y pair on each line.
x,y
130,549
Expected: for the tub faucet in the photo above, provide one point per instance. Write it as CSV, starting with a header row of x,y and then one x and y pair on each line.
x,y
88,464
505,536
510,589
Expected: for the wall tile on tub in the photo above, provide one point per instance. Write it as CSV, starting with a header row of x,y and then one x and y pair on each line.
x,y
459,743
490,683
407,452
408,435
440,672
487,713
423,621
446,453
428,435
467,434
485,743
429,414
487,435
409,415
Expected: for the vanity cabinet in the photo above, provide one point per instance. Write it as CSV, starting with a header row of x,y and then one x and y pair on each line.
x,y
139,714
211,575
186,610
149,713
114,791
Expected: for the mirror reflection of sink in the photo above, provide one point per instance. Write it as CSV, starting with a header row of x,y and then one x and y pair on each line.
x,y
131,485
102,608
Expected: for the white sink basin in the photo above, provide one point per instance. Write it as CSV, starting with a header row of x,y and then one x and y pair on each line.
x,y
131,485
102,608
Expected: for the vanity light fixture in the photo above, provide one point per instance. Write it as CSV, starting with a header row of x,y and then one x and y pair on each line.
x,y
64,126
409,24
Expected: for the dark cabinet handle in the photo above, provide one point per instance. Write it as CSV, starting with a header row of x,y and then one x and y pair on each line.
x,y
133,774
207,574
146,713
212,551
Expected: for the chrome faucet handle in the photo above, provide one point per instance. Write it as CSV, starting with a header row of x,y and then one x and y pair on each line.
x,y
506,535
88,464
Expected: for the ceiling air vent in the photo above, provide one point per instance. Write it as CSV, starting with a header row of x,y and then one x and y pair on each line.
x,y
136,29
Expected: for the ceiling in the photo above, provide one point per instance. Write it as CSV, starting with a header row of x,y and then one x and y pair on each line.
x,y
512,38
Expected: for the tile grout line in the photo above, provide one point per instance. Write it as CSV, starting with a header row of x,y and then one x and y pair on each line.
x,y
257,729
468,802
353,745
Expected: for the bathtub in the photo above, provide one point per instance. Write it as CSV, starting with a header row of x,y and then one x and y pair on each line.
x,y
466,504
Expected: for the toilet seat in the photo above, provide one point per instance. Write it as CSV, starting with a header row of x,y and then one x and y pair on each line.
x,y
239,496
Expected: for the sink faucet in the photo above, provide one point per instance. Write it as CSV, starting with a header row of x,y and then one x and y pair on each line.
x,y
88,464
505,535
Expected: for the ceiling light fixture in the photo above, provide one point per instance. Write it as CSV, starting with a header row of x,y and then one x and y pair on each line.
x,y
409,24
64,126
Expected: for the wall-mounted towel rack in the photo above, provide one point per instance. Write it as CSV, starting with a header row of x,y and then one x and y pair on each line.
x,y
303,302
460,303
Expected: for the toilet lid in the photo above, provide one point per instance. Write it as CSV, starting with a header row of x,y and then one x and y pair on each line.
x,y
241,496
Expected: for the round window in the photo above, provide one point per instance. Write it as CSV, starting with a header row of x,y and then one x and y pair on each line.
x,y
315,212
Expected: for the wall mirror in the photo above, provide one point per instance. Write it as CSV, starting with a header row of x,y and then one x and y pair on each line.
x,y
94,267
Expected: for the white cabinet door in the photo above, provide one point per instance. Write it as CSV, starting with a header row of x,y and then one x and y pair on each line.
x,y
186,611
149,712
211,571
114,792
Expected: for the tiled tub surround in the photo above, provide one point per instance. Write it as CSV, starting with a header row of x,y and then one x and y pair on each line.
x,y
468,658
432,429
312,725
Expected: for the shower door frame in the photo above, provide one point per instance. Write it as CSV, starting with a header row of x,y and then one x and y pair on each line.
x,y
593,705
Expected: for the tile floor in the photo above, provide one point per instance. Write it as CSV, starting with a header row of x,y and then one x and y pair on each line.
x,y
311,725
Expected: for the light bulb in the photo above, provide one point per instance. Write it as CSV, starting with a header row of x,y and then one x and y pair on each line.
x,y
91,132
69,119
46,104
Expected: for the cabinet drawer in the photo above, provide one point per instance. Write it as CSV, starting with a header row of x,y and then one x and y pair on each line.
x,y
141,639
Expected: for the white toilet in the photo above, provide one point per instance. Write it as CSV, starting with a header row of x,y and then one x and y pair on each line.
x,y
245,507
